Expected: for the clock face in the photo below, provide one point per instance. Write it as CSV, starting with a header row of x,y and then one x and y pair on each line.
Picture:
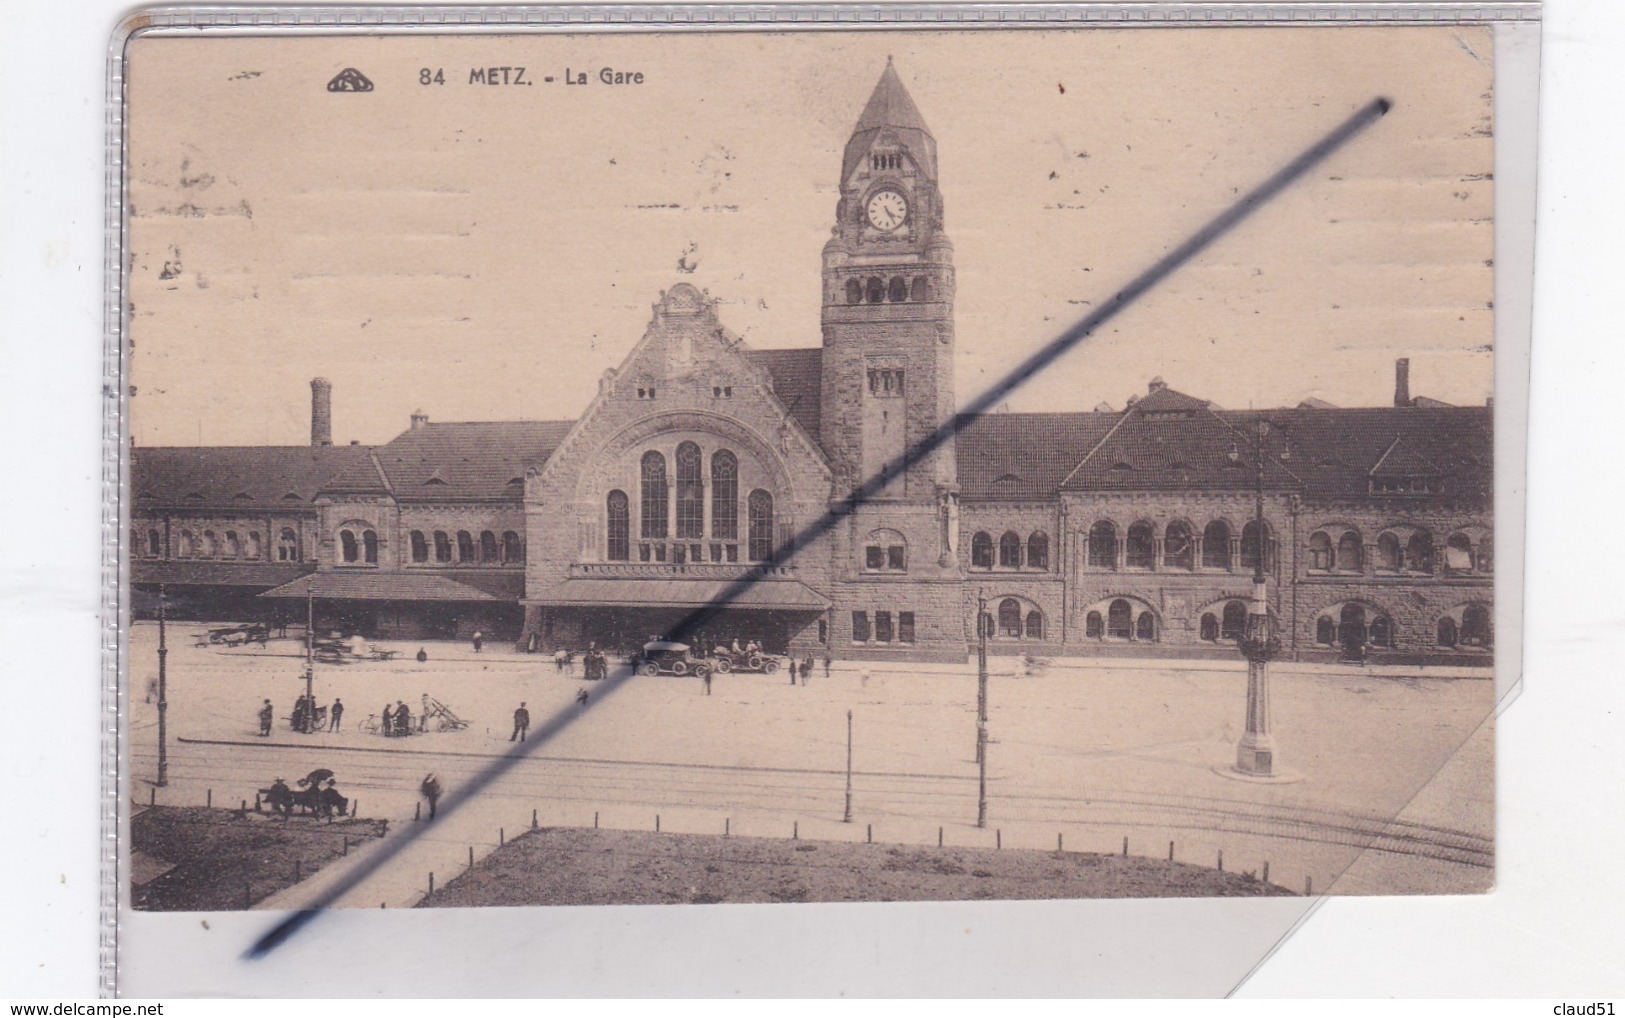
x,y
887,210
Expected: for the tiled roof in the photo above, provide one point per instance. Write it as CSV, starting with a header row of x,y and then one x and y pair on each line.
x,y
216,574
609,592
241,477
469,460
798,382
890,107
382,586
1024,456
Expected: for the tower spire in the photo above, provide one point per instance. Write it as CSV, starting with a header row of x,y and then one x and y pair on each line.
x,y
891,108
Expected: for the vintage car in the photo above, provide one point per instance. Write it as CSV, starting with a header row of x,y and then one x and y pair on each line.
x,y
663,657
745,661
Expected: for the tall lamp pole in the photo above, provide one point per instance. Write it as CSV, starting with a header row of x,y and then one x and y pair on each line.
x,y
163,695
981,709
310,659
1255,753
847,818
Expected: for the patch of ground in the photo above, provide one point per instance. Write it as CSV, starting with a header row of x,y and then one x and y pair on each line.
x,y
572,866
215,860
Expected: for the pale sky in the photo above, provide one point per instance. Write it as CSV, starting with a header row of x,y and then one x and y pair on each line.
x,y
485,253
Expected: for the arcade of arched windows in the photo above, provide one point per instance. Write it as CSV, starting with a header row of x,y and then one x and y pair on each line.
x,y
1178,546
1010,550
461,548
221,544
1466,626
1399,550
1013,618
1122,618
691,514
889,290
1354,627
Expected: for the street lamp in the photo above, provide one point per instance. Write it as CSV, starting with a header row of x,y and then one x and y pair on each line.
x,y
309,713
1259,643
981,709
163,696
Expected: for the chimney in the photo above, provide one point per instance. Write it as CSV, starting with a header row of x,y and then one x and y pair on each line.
x,y
1402,382
1157,385
321,412
419,420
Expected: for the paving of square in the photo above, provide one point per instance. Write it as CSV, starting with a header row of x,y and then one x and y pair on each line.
x,y
1084,752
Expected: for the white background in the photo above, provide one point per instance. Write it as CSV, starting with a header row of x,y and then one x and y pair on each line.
x,y
1554,928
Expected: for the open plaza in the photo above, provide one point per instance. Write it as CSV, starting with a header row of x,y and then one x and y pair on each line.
x,y
1395,765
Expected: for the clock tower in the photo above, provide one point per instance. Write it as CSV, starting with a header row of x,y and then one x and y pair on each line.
x,y
888,308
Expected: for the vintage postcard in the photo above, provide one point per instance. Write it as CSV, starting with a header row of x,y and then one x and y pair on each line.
x,y
759,467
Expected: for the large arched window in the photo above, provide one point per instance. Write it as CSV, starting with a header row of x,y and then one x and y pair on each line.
x,y
349,548
921,290
1145,628
1038,550
1382,632
1320,551
1249,547
854,292
690,493
1234,624
1475,626
465,547
490,554
875,289
1216,545
1103,545
885,551
619,526
1035,625
981,551
1178,547
1458,553
369,547
1388,553
420,547
725,495
1010,618
653,517
1419,552
1350,552
155,543
1209,627
1141,549
442,546
513,549
759,508
1447,632
897,290
1010,550
287,546
1120,620
1094,627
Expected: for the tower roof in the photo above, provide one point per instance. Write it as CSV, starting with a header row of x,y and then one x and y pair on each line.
x,y
890,107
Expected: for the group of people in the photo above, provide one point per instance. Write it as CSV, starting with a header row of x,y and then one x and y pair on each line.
x,y
594,663
306,717
805,669
397,720
322,798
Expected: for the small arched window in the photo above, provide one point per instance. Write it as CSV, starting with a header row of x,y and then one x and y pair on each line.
x,y
1141,549
653,516
1235,620
1010,618
875,289
981,551
1103,545
1458,553
1325,631
183,545
513,549
1094,627
1350,552
489,552
206,548
897,291
1382,632
759,507
369,547
1146,627
1419,553
420,547
1010,550
155,543
1249,547
234,547
287,545
1475,626
1388,553
1216,545
256,545
1178,547
349,548
1120,620
1038,551
618,526
442,546
690,493
921,291
1320,551
1035,625
725,495
465,547
1210,628
1447,632
854,292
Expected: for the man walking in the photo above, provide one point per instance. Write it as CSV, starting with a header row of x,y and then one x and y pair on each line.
x,y
826,666
806,669
479,638
335,715
431,791
266,713
521,723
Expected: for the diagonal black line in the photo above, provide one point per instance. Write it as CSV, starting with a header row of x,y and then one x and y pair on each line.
x,y
1136,288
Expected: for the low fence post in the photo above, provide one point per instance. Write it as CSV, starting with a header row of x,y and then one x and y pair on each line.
x,y
431,883
1266,871
256,802
297,868
727,827
208,798
1125,846
595,820
998,838
417,812
869,834
1170,851
1221,860
152,797
1308,886
346,845
533,820
471,857
244,807
795,830
502,837
1060,846
939,837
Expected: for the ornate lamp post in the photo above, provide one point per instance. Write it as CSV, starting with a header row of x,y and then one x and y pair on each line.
x,y
163,694
1259,644
981,709
310,658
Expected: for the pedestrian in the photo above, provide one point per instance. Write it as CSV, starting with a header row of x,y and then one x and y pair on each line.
x,y
479,638
806,669
792,671
707,677
581,696
280,798
332,801
558,660
826,666
335,715
266,714
521,723
431,791
389,721
403,718
423,655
